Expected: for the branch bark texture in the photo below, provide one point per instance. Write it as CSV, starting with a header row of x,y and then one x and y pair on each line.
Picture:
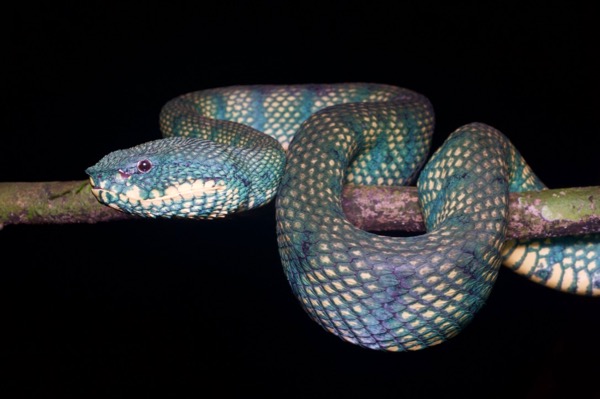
x,y
535,214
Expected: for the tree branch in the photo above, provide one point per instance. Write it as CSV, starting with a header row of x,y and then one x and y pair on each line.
x,y
548,213
52,202
533,214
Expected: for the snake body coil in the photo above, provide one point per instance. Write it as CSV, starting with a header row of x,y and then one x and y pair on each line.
x,y
379,292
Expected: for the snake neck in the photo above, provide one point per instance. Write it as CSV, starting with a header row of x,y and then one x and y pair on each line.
x,y
259,170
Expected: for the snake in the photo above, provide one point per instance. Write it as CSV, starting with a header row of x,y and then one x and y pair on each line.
x,y
234,148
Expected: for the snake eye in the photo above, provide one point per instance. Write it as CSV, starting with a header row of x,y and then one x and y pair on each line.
x,y
144,166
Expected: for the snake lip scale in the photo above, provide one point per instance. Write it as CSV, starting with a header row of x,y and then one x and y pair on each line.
x,y
235,148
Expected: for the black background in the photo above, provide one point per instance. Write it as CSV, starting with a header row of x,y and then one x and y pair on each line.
x,y
137,307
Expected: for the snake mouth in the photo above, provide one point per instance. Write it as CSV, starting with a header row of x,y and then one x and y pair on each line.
x,y
184,191
107,197
100,192
93,184
200,199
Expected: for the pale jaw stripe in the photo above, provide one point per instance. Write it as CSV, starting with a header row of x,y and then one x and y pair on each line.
x,y
185,191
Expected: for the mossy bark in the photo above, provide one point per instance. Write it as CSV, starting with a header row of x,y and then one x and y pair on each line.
x,y
52,202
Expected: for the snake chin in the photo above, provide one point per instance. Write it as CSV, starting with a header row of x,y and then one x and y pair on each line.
x,y
196,199
106,197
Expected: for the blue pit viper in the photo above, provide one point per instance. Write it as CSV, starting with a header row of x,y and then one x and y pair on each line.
x,y
235,148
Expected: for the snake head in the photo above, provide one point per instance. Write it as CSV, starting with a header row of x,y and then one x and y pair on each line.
x,y
172,177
